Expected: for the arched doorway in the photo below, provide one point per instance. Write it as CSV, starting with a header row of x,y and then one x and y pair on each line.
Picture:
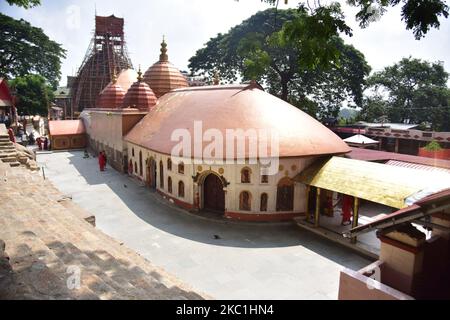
x,y
285,195
151,173
213,194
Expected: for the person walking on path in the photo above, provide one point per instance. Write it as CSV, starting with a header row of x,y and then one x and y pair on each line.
x,y
12,137
347,202
101,161
46,143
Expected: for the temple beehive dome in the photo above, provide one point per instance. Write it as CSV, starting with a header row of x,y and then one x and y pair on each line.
x,y
163,77
139,96
112,96
234,107
126,78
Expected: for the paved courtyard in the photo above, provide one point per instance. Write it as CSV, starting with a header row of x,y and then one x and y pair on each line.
x,y
248,261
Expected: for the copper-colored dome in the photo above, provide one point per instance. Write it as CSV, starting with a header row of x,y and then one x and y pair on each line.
x,y
112,96
234,107
163,77
140,96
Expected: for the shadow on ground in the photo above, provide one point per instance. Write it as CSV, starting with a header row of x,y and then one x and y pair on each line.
x,y
171,219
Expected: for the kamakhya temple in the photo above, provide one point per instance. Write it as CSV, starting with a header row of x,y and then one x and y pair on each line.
x,y
134,125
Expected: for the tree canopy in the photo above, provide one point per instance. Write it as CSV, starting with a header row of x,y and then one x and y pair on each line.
x,y
33,94
25,49
317,72
418,15
24,3
411,90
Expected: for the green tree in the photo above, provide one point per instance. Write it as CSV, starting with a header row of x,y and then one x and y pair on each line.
x,y
413,90
33,94
419,15
25,49
258,49
24,3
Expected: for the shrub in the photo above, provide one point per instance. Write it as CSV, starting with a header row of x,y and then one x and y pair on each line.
x,y
433,146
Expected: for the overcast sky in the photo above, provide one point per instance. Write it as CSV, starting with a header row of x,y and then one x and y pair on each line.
x,y
188,25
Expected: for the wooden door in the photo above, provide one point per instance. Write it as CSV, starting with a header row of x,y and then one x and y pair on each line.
x,y
213,194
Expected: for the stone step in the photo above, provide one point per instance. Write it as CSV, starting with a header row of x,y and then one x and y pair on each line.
x,y
49,235
8,155
108,262
10,147
14,164
33,259
9,159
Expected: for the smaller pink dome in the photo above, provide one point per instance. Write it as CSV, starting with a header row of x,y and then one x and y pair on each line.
x,y
111,97
140,96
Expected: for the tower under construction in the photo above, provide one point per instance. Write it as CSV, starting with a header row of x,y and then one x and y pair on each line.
x,y
106,55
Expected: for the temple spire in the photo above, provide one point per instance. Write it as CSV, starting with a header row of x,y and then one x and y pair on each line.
x,y
139,78
163,57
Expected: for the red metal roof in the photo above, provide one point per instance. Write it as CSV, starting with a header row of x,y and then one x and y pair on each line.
x,y
111,97
374,155
66,127
140,96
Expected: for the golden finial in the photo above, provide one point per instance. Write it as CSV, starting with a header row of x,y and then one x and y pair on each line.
x,y
216,80
164,56
114,76
139,78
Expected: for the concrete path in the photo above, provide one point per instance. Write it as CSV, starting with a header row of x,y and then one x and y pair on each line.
x,y
249,261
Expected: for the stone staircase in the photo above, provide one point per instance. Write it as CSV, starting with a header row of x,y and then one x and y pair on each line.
x,y
48,244
8,152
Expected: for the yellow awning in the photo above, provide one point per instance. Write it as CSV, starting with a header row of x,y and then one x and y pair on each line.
x,y
380,183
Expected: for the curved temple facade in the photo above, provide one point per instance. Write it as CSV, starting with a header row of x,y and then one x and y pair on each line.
x,y
220,189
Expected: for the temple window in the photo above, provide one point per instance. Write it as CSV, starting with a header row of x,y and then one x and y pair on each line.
x,y
141,172
264,178
245,201
135,167
169,184
245,175
161,175
263,205
169,164
132,152
181,168
285,195
181,189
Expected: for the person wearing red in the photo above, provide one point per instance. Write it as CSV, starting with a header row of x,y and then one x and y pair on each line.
x,y
101,161
12,138
347,202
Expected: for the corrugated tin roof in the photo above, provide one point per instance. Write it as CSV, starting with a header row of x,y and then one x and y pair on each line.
x,y
375,155
416,166
431,204
380,183
395,126
360,139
